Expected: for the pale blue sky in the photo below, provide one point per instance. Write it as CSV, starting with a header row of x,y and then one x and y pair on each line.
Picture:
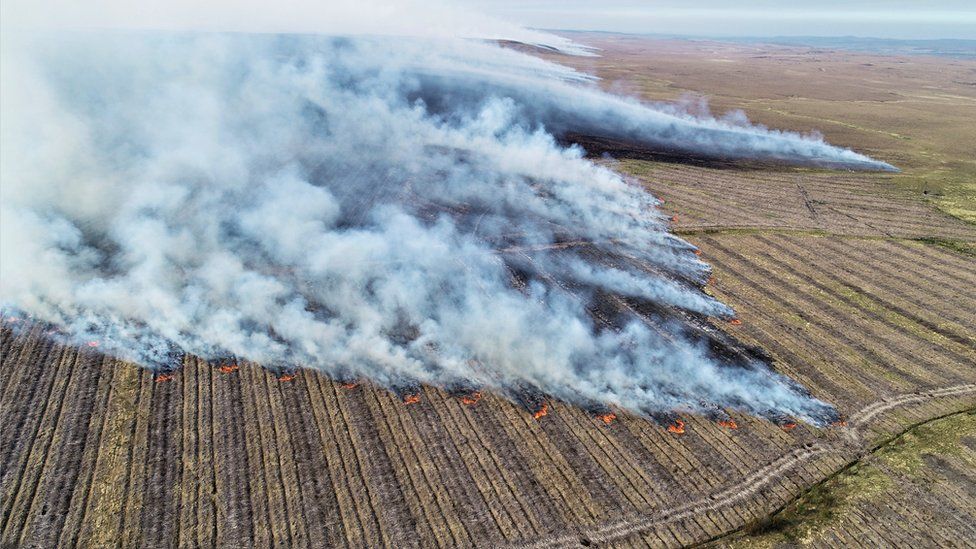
x,y
883,19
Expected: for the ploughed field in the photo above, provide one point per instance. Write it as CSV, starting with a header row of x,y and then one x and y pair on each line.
x,y
859,288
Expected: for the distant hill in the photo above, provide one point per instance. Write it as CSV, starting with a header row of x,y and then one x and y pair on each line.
x,y
957,48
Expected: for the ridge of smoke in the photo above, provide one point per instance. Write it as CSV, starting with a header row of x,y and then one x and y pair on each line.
x,y
352,205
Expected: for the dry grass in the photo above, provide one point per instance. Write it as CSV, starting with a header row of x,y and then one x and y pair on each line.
x,y
915,112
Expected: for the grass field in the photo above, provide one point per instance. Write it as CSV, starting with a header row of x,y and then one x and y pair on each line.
x,y
915,112
858,285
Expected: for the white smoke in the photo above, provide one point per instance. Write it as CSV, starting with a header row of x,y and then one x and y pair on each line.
x,y
389,208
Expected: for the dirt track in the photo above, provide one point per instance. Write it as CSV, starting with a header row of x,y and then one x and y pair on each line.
x,y
850,447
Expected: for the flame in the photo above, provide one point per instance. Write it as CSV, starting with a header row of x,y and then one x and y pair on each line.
x,y
350,385
698,252
677,428
286,377
411,398
674,219
788,426
471,399
542,411
730,423
735,322
162,378
228,368
93,344
839,423
607,417
711,280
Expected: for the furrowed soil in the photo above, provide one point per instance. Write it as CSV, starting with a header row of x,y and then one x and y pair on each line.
x,y
858,284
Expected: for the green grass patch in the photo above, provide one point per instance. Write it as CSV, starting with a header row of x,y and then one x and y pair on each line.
x,y
874,478
958,246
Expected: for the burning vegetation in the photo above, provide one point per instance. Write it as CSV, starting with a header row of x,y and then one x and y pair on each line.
x,y
346,381
163,377
532,399
227,364
728,423
541,411
670,421
408,393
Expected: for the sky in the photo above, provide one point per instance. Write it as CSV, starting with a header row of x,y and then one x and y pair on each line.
x,y
903,19
866,18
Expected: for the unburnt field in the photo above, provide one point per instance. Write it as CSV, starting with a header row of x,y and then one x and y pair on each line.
x,y
859,286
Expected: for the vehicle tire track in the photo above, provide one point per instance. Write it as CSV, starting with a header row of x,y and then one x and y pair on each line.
x,y
751,484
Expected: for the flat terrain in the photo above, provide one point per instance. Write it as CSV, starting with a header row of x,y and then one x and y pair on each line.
x,y
915,112
859,285
916,490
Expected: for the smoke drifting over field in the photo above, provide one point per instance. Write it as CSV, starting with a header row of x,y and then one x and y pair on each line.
x,y
390,208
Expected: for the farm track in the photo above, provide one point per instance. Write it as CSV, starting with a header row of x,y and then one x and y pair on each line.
x,y
846,448
829,279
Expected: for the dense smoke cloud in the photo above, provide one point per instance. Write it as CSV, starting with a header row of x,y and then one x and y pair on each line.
x,y
389,208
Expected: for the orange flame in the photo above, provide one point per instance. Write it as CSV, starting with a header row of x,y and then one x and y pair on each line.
x,y
697,252
607,417
350,385
677,428
711,280
93,344
735,322
541,412
286,377
471,399
228,368
674,219
162,378
839,423
411,399
730,423
788,426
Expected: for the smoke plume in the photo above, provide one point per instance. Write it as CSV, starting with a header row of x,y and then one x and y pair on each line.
x,y
391,208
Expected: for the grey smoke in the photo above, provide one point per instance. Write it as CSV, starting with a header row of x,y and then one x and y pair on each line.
x,y
389,208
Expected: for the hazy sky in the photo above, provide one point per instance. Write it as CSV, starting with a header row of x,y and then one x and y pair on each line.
x,y
881,18
874,18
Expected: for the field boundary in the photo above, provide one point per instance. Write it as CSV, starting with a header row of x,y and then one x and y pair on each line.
x,y
873,450
756,481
